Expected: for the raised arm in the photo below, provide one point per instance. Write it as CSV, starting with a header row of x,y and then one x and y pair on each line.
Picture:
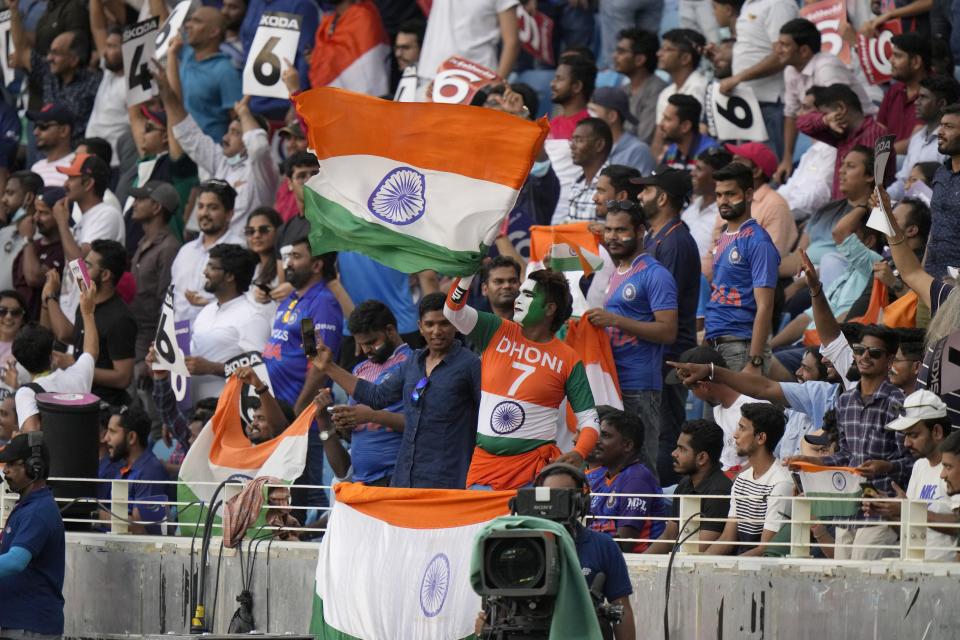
x,y
827,326
457,311
750,384
911,271
510,40
98,26
21,48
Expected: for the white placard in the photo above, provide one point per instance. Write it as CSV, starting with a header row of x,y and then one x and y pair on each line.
x,y
407,87
169,28
738,116
169,355
6,47
138,43
276,39
878,217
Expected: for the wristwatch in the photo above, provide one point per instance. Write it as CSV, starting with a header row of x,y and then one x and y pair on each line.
x,y
756,361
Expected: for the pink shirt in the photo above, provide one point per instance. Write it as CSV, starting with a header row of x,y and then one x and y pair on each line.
x,y
561,127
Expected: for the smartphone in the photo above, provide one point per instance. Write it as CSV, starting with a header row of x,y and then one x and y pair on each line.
x,y
59,346
79,270
309,338
797,483
263,287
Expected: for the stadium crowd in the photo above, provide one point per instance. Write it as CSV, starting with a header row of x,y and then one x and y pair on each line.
x,y
755,319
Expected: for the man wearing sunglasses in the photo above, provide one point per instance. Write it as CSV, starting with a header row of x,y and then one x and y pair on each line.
x,y
877,453
526,375
440,390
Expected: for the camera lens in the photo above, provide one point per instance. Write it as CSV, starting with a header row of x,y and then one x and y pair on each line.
x,y
516,563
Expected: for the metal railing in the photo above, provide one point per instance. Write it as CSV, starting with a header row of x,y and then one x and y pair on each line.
x,y
114,517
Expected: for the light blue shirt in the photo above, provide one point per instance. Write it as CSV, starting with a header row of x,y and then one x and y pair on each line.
x,y
847,289
808,402
629,151
210,88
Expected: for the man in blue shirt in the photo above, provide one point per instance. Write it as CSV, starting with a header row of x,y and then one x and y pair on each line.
x,y
292,378
127,434
680,126
376,435
276,108
440,390
640,316
739,316
664,196
621,472
32,546
210,84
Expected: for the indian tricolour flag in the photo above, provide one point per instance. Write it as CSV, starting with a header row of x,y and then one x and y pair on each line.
x,y
412,185
570,247
222,451
830,482
395,563
356,50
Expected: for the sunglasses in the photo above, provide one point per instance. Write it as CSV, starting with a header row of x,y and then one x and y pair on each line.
x,y
263,230
874,352
418,390
15,312
620,205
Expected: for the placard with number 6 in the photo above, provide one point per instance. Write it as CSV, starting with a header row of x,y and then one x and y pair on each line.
x,y
6,47
138,42
169,28
276,39
458,80
736,117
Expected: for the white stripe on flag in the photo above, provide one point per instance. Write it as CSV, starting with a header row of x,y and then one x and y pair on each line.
x,y
368,73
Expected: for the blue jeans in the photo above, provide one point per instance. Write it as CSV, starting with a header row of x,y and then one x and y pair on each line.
x,y
617,15
773,119
645,405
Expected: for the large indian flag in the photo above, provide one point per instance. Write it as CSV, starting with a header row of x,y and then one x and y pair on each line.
x,y
412,185
395,563
830,482
222,451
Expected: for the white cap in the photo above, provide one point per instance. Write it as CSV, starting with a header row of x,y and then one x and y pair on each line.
x,y
919,405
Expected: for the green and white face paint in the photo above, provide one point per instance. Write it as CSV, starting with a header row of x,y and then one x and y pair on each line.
x,y
530,306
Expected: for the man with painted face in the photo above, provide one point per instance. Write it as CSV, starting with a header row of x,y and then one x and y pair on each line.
x,y
640,316
375,434
526,373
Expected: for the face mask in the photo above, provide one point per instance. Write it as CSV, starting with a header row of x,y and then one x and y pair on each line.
x,y
18,215
529,308
233,161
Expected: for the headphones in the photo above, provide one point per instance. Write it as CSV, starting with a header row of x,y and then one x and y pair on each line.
x,y
34,465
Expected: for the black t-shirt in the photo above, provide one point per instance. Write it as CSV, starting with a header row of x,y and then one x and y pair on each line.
x,y
715,484
117,330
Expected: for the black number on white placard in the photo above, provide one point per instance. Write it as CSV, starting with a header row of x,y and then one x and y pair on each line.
x,y
737,111
163,344
162,37
139,71
264,58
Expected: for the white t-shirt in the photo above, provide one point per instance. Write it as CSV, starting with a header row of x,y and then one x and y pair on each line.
x,y
766,512
701,221
48,170
11,243
729,419
186,273
695,85
925,484
77,378
470,30
758,27
221,332
99,222
109,119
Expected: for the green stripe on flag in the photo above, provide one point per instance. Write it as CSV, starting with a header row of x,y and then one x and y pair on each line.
x,y
504,446
334,228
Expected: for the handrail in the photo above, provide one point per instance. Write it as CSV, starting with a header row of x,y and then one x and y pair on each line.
x,y
912,523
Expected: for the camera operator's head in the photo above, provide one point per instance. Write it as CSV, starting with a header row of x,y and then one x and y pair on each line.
x,y
26,461
569,479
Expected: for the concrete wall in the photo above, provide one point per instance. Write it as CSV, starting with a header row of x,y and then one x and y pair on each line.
x,y
134,585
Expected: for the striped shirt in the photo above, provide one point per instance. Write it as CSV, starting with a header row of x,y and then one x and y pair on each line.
x,y
755,505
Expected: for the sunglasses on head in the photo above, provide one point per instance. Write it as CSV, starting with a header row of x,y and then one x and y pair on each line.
x,y
263,230
418,390
874,352
621,205
15,312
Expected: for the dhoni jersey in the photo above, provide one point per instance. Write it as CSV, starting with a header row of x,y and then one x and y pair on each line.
x,y
522,387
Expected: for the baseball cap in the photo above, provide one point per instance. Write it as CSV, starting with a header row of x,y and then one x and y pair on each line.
x,y
613,98
292,128
87,164
52,113
757,153
158,118
821,438
52,195
697,355
919,405
160,192
675,182
19,449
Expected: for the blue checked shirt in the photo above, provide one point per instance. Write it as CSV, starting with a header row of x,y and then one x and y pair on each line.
x,y
861,424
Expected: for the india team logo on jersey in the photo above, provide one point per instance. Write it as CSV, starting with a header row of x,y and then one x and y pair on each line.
x,y
735,256
629,292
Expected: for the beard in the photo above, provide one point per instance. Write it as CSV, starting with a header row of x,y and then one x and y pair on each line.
x,y
382,353
119,452
298,279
